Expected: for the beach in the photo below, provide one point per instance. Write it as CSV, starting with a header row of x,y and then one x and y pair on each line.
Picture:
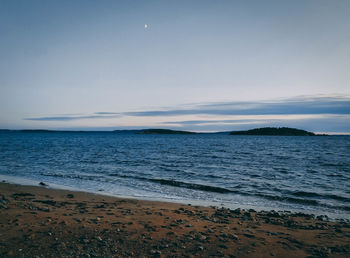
x,y
175,129
37,221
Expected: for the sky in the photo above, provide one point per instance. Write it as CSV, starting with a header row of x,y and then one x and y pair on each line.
x,y
186,65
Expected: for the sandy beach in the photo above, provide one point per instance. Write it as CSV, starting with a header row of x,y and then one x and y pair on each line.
x,y
37,221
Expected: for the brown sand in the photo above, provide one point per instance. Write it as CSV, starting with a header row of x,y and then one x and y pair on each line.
x,y
41,222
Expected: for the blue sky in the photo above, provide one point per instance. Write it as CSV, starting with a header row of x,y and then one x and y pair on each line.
x,y
199,65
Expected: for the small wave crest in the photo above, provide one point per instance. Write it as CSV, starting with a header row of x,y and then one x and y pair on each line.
x,y
201,187
171,182
303,201
288,199
325,196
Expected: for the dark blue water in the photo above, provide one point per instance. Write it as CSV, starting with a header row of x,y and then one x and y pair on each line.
x,y
309,174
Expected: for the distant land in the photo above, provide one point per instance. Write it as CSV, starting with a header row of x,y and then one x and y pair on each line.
x,y
278,131
281,131
163,131
132,131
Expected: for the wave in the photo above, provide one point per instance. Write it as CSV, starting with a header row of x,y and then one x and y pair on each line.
x,y
193,186
324,196
216,189
305,197
301,201
171,182
75,176
288,199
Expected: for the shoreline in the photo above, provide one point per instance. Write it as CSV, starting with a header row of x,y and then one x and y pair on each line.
x,y
30,182
40,221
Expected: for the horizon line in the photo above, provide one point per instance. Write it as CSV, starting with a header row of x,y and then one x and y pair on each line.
x,y
148,128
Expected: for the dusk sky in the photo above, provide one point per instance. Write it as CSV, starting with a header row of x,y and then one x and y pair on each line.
x,y
187,65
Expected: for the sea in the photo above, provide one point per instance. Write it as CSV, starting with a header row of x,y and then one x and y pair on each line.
x,y
309,174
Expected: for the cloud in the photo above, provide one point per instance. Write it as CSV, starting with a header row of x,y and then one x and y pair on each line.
x,y
296,106
304,105
97,115
199,122
106,113
327,114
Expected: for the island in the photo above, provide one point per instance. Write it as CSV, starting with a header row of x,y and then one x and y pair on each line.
x,y
281,131
163,131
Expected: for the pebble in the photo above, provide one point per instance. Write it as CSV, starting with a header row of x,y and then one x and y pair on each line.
x,y
46,209
156,252
233,236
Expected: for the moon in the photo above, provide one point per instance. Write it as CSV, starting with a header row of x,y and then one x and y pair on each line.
x,y
146,26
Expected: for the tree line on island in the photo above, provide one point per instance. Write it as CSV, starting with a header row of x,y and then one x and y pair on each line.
x,y
272,131
278,131
284,131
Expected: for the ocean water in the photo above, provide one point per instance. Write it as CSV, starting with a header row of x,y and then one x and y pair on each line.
x,y
307,174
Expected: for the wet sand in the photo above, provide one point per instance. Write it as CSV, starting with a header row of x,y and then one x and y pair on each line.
x,y
43,222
